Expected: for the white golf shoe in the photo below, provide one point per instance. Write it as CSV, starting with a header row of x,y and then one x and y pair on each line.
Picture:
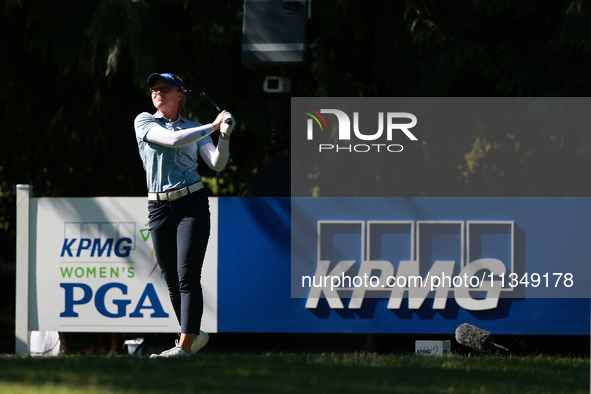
x,y
199,341
176,351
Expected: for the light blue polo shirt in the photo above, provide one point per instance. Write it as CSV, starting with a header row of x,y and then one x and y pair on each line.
x,y
167,168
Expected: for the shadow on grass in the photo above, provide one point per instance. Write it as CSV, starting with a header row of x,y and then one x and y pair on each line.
x,y
296,373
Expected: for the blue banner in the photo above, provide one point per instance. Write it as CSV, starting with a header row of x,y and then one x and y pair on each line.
x,y
404,265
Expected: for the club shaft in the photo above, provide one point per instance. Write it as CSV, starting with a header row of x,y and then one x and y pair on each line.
x,y
214,104
202,93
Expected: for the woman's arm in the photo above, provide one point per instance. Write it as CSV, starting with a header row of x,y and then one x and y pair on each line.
x,y
216,157
178,138
175,139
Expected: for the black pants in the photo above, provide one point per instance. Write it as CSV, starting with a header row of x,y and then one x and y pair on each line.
x,y
180,232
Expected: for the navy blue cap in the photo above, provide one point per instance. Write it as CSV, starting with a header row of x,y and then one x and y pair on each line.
x,y
168,77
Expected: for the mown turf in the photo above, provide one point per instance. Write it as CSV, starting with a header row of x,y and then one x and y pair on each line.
x,y
294,373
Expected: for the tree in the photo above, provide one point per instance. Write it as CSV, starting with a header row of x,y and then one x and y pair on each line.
x,y
437,48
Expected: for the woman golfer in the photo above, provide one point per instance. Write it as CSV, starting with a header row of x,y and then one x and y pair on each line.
x,y
178,207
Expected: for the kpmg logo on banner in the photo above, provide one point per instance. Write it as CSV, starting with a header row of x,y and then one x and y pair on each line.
x,y
471,260
98,240
390,122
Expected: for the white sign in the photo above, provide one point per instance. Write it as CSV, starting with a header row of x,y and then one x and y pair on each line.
x,y
432,348
95,268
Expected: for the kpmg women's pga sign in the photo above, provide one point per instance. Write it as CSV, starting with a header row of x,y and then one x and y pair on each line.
x,y
95,270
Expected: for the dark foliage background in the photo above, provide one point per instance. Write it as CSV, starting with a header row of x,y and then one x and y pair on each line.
x,y
73,79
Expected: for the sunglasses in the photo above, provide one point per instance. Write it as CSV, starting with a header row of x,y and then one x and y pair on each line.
x,y
163,89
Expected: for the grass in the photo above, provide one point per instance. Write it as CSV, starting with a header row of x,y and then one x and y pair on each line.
x,y
294,373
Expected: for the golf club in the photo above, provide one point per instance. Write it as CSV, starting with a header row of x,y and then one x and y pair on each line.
x,y
203,94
